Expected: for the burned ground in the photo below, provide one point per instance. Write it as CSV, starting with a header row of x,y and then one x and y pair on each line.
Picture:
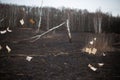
x,y
54,58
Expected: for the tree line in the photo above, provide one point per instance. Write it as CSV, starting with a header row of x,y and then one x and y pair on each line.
x,y
80,20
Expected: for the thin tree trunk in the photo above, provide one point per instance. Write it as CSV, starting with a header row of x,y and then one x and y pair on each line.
x,y
69,33
40,11
100,21
95,25
48,19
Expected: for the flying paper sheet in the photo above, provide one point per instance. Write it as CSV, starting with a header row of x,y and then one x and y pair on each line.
x,y
21,21
94,50
95,38
104,54
91,42
29,58
8,48
9,30
100,64
92,67
3,32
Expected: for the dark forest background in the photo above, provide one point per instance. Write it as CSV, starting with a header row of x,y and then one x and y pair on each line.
x,y
80,20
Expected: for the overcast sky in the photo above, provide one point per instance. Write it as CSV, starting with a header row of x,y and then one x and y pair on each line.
x,y
111,6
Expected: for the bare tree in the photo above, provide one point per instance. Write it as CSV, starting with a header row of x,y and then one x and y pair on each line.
x,y
97,20
40,11
48,19
95,24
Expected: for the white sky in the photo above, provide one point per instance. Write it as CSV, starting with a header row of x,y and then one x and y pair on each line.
x,y
111,6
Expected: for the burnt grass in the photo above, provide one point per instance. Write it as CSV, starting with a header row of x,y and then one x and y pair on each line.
x,y
54,58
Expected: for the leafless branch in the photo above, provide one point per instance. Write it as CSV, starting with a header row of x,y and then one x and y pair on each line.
x,y
34,38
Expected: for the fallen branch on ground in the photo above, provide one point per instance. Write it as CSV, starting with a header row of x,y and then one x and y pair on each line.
x,y
34,38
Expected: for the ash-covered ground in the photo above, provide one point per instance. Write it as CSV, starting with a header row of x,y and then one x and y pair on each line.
x,y
54,58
